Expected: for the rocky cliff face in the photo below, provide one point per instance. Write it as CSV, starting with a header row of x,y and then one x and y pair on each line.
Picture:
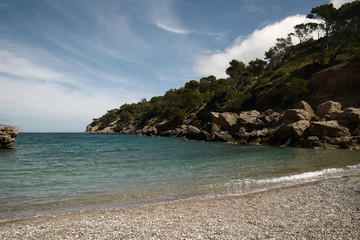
x,y
341,85
7,137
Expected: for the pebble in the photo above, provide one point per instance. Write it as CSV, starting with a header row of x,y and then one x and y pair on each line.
x,y
329,209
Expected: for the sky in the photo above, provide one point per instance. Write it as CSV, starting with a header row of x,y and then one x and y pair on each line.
x,y
63,63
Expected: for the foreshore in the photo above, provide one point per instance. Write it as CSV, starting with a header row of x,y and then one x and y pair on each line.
x,y
327,209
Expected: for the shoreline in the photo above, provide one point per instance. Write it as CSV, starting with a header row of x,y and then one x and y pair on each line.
x,y
322,209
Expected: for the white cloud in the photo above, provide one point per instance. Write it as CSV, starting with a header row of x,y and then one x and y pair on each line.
x,y
339,3
246,48
18,66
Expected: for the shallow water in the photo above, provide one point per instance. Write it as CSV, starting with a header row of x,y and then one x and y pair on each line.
x,y
52,173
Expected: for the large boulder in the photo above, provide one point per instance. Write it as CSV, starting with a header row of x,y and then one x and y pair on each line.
x,y
193,132
328,128
351,114
329,110
7,137
225,120
306,107
294,115
270,117
223,136
250,120
293,131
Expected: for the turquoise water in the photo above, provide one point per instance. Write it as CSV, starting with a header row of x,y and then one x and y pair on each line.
x,y
53,173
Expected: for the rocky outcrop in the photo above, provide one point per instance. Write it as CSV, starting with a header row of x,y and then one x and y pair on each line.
x,y
7,137
330,127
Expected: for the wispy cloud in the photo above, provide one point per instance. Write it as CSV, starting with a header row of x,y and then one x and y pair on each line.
x,y
14,65
254,8
3,5
251,6
163,15
172,29
245,48
276,8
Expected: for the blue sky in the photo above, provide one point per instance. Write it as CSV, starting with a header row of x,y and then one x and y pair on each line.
x,y
63,63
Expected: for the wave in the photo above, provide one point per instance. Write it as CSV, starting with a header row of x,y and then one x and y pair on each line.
x,y
305,177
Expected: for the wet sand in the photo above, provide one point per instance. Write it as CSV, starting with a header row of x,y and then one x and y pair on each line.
x,y
328,209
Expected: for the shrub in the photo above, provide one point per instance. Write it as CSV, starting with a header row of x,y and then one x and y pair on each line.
x,y
300,86
278,74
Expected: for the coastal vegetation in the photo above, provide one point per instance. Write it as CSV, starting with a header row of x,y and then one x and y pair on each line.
x,y
280,81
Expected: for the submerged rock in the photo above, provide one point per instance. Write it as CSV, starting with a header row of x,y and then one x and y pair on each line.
x,y
7,137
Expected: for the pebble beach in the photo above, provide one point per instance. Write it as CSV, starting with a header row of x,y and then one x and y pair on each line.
x,y
328,209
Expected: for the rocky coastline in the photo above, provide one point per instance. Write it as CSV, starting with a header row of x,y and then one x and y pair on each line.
x,y
7,137
329,127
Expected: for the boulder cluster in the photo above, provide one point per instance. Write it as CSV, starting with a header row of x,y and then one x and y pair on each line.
x,y
7,137
330,127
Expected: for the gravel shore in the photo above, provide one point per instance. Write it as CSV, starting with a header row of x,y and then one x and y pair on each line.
x,y
328,209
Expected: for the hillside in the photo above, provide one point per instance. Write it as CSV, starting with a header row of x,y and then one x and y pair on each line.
x,y
315,71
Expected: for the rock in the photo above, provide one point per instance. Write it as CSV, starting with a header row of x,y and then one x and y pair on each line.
x,y
225,120
306,107
270,117
149,131
7,137
328,128
193,132
329,110
167,125
356,132
312,141
294,115
343,142
351,114
247,117
212,128
250,120
253,134
293,131
223,136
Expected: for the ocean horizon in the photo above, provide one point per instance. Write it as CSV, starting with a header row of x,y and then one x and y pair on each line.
x,y
57,173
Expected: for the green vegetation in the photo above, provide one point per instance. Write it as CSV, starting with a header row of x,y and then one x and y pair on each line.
x,y
286,65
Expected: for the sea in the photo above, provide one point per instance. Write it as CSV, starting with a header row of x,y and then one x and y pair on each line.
x,y
59,173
